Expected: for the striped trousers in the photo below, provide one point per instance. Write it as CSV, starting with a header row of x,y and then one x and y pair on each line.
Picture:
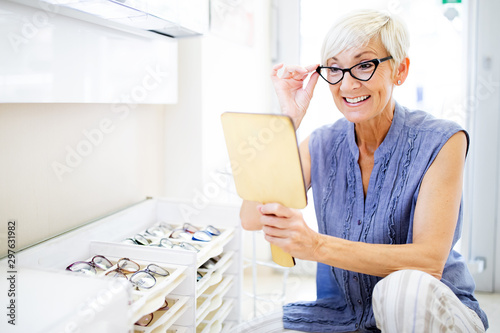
x,y
406,301
411,301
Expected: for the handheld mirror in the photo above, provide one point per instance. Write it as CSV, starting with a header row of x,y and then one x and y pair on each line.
x,y
265,162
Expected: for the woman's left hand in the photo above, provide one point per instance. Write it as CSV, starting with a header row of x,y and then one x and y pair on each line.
x,y
285,227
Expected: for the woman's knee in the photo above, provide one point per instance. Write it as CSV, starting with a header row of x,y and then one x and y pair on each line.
x,y
404,283
399,299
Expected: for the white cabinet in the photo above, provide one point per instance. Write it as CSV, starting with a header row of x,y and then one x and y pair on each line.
x,y
57,299
49,57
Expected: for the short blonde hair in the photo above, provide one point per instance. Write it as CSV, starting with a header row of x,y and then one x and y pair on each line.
x,y
358,28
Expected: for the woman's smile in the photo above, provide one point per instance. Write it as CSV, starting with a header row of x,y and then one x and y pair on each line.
x,y
356,101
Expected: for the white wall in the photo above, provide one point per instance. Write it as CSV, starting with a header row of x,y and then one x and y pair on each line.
x,y
216,74
65,164
484,103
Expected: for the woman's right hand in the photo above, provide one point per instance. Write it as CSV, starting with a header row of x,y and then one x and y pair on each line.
x,y
294,99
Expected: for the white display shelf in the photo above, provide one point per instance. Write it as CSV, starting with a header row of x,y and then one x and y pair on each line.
x,y
207,250
145,301
228,326
104,237
214,275
177,329
215,319
164,319
212,299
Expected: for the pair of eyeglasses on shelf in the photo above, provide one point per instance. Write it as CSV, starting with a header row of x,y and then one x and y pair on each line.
x,y
164,242
168,244
138,239
140,278
147,319
162,229
89,267
210,263
190,232
210,229
186,246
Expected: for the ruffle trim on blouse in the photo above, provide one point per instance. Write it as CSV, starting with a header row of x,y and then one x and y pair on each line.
x,y
404,175
331,177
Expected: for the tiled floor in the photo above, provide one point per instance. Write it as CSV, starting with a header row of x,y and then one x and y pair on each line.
x,y
490,303
301,286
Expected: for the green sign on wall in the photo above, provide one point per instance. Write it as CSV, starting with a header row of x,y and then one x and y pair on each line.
x,y
452,1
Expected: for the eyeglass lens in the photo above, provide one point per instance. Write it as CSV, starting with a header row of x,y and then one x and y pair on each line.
x,y
165,242
181,234
143,279
128,265
190,228
145,320
202,236
213,230
155,269
141,240
102,262
164,307
82,267
156,231
185,246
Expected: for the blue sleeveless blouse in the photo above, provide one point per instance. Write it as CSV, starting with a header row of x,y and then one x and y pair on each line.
x,y
384,216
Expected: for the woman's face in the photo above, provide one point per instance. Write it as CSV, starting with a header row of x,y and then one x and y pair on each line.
x,y
361,101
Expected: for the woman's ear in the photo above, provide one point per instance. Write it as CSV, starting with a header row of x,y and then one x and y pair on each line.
x,y
402,71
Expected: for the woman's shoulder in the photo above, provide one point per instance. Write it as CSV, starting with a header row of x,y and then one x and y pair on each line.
x,y
429,130
422,121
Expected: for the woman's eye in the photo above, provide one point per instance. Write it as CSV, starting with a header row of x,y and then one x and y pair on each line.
x,y
365,66
335,70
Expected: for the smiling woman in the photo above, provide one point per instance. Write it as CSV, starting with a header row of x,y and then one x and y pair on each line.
x,y
387,185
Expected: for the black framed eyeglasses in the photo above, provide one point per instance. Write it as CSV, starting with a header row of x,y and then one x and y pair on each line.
x,y
362,71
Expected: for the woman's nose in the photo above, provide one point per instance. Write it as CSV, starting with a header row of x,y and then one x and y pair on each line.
x,y
348,82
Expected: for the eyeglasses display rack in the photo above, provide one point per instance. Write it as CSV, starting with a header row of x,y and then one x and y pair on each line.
x,y
190,285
